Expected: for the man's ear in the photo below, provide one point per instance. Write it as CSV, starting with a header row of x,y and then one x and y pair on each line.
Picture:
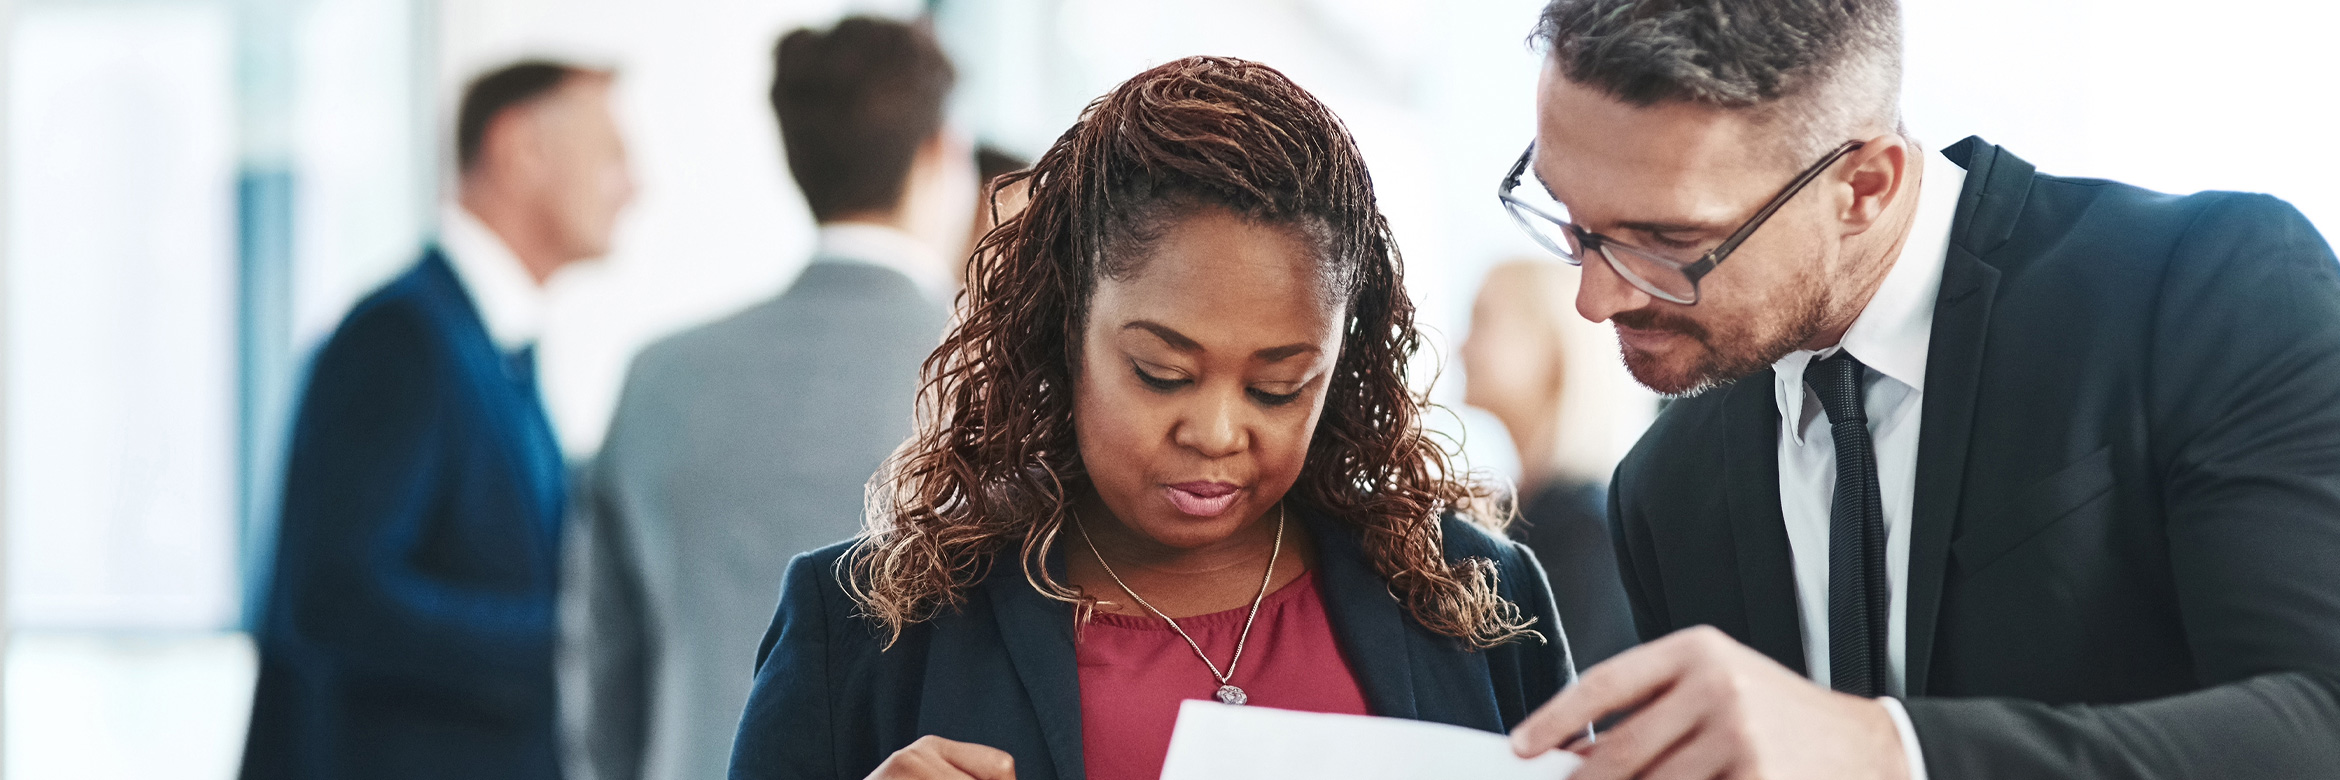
x,y
512,148
927,162
1874,174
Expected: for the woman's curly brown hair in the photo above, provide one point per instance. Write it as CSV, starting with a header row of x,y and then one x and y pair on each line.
x,y
994,465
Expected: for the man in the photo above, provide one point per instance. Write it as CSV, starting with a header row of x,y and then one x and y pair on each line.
x,y
409,625
744,442
2031,476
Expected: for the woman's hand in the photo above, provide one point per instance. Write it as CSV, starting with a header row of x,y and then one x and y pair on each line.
x,y
935,758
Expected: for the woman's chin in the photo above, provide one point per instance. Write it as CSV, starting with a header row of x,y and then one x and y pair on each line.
x,y
1187,532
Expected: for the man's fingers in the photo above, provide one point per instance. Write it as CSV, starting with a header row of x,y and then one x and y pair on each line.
x,y
1701,755
1628,750
1631,678
982,762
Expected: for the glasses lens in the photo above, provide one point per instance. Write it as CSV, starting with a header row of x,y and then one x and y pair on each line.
x,y
1547,231
1655,275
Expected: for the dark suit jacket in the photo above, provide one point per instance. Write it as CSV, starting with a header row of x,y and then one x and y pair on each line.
x,y
828,703
2125,551
1566,524
408,628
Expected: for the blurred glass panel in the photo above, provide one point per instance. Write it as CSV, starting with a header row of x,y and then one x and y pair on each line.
x,y
121,317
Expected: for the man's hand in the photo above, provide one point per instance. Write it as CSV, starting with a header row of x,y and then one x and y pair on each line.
x,y
1710,707
935,758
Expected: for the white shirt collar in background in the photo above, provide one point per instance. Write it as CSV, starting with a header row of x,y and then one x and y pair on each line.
x,y
884,247
508,298
1891,335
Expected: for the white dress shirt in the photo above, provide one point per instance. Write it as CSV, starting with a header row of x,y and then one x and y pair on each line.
x,y
1890,336
869,243
508,298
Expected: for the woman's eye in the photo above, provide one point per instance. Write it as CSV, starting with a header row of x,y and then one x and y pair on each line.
x,y
1273,399
1158,383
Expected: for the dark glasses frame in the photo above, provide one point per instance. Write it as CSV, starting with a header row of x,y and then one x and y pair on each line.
x,y
1521,212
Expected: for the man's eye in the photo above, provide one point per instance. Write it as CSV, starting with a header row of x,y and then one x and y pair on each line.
x,y
1666,241
1158,383
1273,399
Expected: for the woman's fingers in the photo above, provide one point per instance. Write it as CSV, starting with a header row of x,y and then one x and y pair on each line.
x,y
935,758
982,762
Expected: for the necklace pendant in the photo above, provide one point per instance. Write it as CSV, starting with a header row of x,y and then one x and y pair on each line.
x,y
1229,694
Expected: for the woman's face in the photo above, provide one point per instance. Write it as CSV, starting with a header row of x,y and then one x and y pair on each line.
x,y
1202,376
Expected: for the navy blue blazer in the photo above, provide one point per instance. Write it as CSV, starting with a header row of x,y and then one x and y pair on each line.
x,y
408,628
999,671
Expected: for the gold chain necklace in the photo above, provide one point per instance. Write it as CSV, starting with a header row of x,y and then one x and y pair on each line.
x,y
1228,693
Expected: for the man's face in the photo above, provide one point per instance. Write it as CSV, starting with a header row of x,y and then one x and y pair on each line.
x,y
1678,178
586,179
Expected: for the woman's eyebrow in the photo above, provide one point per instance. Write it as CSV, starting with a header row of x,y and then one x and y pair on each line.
x,y
1180,342
1175,339
1279,354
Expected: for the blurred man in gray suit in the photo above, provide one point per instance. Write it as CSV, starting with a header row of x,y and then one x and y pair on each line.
x,y
744,442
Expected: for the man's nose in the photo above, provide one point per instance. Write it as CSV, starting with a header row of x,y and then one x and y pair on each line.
x,y
1604,292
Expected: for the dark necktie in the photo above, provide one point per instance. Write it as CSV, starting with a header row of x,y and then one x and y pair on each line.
x,y
1857,591
520,365
542,452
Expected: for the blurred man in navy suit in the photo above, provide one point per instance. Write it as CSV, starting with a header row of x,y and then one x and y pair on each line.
x,y
408,629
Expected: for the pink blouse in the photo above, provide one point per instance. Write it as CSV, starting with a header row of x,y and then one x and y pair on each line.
x,y
1135,670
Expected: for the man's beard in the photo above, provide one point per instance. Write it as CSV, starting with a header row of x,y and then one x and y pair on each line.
x,y
1723,360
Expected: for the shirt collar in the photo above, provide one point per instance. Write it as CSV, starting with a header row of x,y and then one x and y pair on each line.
x,y
509,300
1892,333
885,247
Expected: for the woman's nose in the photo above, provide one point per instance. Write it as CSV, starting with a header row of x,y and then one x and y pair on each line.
x,y
1214,426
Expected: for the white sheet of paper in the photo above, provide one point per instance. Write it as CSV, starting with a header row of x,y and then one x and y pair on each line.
x,y
1214,741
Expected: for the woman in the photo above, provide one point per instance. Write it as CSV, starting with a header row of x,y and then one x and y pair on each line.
x,y
1167,453
1553,380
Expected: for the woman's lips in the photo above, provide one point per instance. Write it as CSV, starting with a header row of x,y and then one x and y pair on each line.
x,y
1202,499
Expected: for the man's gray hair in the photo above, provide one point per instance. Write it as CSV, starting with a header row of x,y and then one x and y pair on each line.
x,y
1818,70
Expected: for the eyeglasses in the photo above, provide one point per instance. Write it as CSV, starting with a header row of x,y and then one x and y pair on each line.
x,y
1665,278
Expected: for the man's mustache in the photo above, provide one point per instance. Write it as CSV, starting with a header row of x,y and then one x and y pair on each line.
x,y
1646,319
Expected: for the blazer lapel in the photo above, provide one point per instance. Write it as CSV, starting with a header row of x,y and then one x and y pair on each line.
x,y
1366,621
1997,183
529,444
1767,579
1038,633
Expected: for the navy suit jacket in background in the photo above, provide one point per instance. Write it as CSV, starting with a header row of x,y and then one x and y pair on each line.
x,y
831,702
408,627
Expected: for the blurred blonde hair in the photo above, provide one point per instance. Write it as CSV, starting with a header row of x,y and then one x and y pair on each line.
x,y
1602,410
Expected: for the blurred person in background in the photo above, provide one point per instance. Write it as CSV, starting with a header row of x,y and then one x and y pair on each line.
x,y
1555,383
1978,472
992,203
408,629
1170,453
744,442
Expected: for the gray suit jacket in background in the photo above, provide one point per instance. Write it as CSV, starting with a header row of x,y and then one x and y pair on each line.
x,y
735,446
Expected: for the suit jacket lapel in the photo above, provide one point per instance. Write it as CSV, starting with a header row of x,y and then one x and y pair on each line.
x,y
1766,565
1997,183
530,447
1366,620
1038,633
